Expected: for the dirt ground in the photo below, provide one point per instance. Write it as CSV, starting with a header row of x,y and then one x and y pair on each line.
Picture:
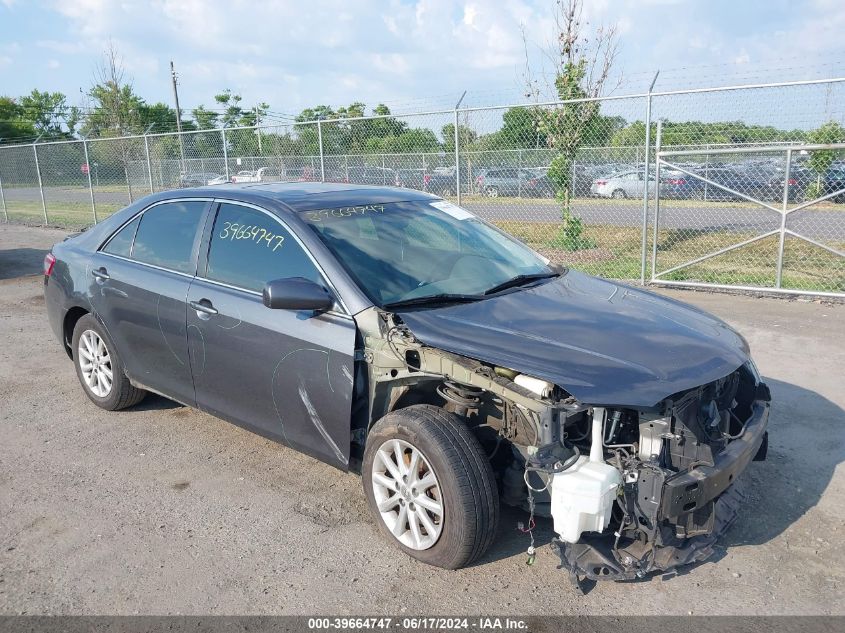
x,y
161,509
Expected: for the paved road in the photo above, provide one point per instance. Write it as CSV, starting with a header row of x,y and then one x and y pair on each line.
x,y
827,225
162,509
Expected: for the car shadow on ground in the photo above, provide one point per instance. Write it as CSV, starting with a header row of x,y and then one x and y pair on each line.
x,y
155,402
806,444
20,262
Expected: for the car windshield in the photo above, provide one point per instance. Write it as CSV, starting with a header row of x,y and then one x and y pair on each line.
x,y
409,251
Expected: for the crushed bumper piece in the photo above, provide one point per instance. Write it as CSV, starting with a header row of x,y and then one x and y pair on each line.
x,y
592,557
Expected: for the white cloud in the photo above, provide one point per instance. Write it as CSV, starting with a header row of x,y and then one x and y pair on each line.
x,y
334,52
53,64
63,47
391,63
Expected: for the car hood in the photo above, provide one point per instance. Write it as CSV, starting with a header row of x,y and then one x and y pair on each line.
x,y
605,343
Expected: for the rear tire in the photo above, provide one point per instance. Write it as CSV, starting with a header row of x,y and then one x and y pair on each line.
x,y
99,368
492,192
449,455
618,194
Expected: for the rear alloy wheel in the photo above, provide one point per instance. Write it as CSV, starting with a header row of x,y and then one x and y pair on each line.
x,y
95,364
99,368
492,192
618,194
430,486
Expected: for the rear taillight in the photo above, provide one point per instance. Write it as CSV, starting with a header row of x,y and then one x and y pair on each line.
x,y
601,182
49,262
533,182
479,180
677,181
792,181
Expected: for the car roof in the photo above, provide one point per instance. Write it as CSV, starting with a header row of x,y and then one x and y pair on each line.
x,y
303,196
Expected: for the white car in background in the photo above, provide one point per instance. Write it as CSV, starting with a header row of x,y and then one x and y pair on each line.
x,y
247,176
263,174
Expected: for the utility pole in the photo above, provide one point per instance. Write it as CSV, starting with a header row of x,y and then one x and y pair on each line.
x,y
174,78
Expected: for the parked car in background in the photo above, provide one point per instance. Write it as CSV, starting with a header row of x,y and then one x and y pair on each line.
x,y
413,178
537,183
732,181
246,176
198,179
834,181
799,179
269,174
505,181
219,180
629,184
372,176
441,181
305,174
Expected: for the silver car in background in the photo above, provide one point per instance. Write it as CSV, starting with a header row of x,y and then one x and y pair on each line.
x,y
628,184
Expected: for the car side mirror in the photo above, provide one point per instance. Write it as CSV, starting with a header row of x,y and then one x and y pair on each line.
x,y
296,293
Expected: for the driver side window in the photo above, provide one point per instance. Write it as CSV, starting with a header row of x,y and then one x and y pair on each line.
x,y
248,248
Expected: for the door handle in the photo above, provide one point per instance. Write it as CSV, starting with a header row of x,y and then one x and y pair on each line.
x,y
101,273
203,306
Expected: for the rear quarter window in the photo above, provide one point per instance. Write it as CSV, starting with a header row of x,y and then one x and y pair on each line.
x,y
121,242
166,235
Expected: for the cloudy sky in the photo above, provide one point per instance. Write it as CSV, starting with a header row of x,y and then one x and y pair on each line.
x,y
411,54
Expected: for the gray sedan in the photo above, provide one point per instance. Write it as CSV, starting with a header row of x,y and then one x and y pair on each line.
x,y
392,332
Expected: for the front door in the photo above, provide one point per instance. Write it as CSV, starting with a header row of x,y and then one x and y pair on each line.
x,y
285,374
138,284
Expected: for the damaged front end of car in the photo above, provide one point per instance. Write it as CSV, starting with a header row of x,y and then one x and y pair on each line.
x,y
631,490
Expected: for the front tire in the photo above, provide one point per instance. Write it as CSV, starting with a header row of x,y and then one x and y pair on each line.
x,y
99,368
430,486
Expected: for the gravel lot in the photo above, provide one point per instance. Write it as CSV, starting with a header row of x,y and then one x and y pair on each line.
x,y
161,509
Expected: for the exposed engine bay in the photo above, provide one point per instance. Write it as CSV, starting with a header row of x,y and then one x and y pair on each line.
x,y
630,491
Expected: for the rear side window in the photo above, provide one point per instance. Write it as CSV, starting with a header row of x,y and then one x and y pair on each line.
x,y
249,248
166,235
121,243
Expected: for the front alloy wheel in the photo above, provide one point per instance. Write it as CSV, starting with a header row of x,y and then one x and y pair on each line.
x,y
430,486
408,495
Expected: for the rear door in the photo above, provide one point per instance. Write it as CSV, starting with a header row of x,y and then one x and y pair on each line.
x,y
139,281
285,374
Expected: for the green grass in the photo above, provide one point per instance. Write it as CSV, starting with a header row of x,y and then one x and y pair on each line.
x,y
72,215
618,255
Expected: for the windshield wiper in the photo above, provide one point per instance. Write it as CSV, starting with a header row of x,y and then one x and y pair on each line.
x,y
439,299
519,280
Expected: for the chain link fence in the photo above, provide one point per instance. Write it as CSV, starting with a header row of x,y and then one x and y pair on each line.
x,y
735,187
